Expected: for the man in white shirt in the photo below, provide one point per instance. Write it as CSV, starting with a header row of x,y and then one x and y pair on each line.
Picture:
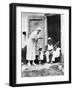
x,y
49,50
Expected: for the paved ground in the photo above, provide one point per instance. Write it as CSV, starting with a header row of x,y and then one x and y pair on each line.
x,y
41,70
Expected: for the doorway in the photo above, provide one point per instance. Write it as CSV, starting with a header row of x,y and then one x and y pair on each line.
x,y
54,28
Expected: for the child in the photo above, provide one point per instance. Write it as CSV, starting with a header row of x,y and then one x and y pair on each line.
x,y
40,55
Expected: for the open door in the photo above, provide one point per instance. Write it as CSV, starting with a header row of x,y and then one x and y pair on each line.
x,y
53,28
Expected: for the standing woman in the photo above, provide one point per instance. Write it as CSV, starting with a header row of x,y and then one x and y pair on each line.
x,y
31,43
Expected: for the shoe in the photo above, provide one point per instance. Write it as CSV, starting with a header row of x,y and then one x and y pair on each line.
x,y
51,62
33,64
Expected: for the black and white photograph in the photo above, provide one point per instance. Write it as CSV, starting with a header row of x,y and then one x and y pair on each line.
x,y
41,45
42,49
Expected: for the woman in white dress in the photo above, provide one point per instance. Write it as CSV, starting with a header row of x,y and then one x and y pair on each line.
x,y
31,42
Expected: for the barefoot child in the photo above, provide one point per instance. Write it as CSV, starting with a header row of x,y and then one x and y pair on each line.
x,y
40,55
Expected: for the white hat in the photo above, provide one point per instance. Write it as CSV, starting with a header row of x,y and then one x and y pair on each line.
x,y
49,38
39,28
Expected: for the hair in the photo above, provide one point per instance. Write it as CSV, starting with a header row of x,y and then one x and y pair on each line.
x,y
24,33
40,49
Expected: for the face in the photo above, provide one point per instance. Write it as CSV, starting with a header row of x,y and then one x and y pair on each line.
x,y
50,42
38,31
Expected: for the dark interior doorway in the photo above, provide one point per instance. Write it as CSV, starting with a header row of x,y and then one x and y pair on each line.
x,y
54,28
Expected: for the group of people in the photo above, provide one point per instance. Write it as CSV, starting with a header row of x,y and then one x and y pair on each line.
x,y
50,53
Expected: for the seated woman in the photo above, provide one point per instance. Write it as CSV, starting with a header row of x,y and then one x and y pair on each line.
x,y
56,53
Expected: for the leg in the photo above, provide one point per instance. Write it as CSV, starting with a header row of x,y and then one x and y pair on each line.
x,y
47,57
50,58
53,59
33,63
40,62
29,63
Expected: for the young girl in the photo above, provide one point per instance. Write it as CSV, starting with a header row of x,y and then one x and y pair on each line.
x,y
40,55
